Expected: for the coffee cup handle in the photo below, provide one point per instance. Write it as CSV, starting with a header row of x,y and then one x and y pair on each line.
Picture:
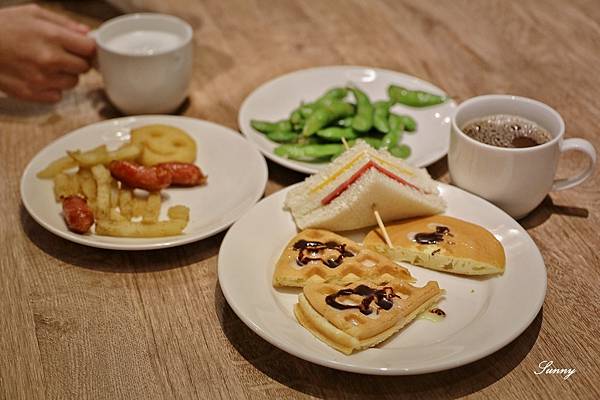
x,y
583,146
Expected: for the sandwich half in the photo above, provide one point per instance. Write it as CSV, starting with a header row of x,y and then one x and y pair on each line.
x,y
344,194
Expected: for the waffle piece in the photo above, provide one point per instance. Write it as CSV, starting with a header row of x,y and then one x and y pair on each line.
x,y
316,255
372,312
442,243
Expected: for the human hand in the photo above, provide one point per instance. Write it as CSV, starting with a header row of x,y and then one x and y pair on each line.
x,y
41,53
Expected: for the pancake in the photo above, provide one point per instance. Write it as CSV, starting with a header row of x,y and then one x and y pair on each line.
x,y
315,256
368,317
466,248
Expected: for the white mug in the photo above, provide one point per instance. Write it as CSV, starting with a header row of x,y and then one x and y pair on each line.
x,y
145,61
515,179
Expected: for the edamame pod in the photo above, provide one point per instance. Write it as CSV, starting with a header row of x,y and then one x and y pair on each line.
x,y
414,98
380,116
410,125
345,122
336,133
390,140
400,151
267,127
282,136
363,120
396,125
309,152
324,115
332,95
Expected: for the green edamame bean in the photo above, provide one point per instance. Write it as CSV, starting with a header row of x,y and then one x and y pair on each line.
x,y
336,133
332,95
324,115
410,125
267,127
414,98
296,117
345,122
400,151
396,125
309,152
389,140
380,116
282,136
363,120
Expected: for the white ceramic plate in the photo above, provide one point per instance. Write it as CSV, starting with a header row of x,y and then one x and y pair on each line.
x,y
483,315
237,175
275,100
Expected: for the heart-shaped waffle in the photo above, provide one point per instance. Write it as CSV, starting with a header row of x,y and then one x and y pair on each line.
x,y
361,314
315,255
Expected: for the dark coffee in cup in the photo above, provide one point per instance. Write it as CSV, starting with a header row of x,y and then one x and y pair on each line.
x,y
508,131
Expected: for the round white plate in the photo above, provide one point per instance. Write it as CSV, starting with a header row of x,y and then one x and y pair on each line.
x,y
483,314
277,98
237,175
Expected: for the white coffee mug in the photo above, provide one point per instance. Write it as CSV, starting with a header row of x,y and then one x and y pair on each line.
x,y
515,179
145,61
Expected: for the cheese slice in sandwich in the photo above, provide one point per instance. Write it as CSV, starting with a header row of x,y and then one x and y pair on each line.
x,y
344,194
442,243
362,314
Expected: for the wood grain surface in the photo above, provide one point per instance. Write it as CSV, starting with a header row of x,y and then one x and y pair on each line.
x,y
84,323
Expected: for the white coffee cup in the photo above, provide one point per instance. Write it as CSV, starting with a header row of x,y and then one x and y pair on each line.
x,y
515,179
145,61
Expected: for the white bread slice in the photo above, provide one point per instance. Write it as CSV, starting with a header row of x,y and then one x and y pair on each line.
x,y
353,208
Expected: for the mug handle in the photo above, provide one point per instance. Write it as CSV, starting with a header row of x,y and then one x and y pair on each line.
x,y
583,146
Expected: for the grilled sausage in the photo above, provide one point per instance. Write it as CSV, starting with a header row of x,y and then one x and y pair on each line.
x,y
184,174
134,175
78,215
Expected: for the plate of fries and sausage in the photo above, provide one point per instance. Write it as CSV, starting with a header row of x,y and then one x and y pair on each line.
x,y
145,182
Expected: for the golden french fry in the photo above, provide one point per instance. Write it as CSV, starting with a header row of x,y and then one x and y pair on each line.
x,y
114,194
127,152
125,203
103,179
116,215
137,229
98,155
138,206
152,209
179,212
65,185
56,167
87,183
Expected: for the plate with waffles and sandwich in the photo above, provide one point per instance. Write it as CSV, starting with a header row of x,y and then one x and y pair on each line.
x,y
371,266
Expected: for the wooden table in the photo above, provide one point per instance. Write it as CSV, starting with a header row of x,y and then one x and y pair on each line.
x,y
84,323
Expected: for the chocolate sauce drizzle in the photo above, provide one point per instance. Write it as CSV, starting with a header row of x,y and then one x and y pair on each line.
x,y
383,298
433,237
438,311
314,249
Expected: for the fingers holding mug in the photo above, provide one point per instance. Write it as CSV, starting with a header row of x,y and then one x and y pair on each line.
x,y
582,145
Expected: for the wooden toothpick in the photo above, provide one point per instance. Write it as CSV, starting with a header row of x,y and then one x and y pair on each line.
x,y
382,227
345,143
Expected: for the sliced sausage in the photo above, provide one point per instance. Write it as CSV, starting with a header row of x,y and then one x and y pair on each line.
x,y
78,215
184,174
134,175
